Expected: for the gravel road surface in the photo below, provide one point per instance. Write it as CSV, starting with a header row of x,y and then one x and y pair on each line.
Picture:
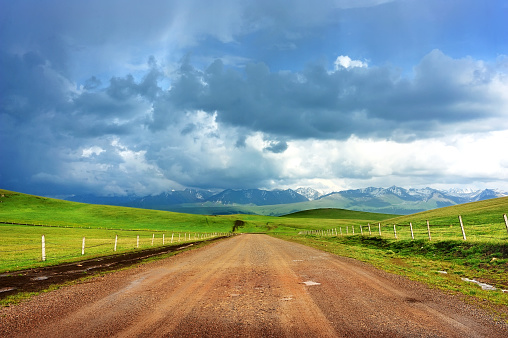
x,y
248,286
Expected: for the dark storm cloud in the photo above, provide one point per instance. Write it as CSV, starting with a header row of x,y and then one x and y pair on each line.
x,y
84,107
318,103
277,147
30,85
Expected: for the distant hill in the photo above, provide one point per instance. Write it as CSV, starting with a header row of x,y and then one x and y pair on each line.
x,y
488,211
103,200
392,200
330,213
162,201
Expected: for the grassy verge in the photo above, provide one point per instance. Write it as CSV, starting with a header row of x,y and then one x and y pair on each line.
x,y
426,262
21,245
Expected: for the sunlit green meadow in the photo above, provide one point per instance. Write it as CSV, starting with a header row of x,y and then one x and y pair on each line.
x,y
21,245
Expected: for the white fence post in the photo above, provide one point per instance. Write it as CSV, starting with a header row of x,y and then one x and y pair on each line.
x,y
411,227
137,242
116,241
462,227
394,232
361,229
83,247
505,221
428,230
370,233
379,225
172,234
153,237
43,248
162,239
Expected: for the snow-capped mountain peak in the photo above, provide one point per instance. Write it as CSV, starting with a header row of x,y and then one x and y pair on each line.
x,y
309,193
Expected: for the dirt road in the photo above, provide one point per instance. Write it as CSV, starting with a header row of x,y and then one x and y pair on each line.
x,y
248,286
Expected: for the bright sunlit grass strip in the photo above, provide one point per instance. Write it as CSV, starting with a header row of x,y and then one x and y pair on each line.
x,y
21,245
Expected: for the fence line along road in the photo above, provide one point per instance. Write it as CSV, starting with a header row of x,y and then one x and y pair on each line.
x,y
437,231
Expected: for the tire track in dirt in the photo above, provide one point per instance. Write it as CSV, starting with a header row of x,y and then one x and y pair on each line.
x,y
183,299
248,286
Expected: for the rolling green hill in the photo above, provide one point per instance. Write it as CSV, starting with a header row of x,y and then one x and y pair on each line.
x,y
331,213
476,213
28,209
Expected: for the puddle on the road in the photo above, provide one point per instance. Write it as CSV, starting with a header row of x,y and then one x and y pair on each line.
x,y
40,278
310,283
484,286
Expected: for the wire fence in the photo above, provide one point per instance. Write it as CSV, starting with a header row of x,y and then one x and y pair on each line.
x,y
432,232
22,248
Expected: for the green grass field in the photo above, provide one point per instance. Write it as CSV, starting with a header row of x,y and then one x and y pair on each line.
x,y
65,223
329,213
483,221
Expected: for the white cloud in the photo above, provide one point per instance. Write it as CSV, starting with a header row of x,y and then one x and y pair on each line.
x,y
344,61
363,162
88,152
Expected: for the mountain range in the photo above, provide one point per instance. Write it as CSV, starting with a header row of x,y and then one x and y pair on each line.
x,y
392,200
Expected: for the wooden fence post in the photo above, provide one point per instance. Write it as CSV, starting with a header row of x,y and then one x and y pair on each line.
x,y
116,241
153,237
462,227
83,247
162,239
347,229
361,229
428,230
137,242
43,248
379,225
505,221
353,228
370,233
411,227
394,231
340,231
172,234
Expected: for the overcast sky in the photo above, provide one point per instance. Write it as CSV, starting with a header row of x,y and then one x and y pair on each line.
x,y
117,97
